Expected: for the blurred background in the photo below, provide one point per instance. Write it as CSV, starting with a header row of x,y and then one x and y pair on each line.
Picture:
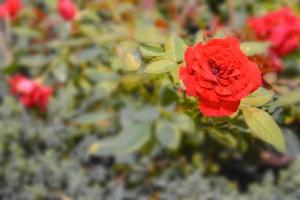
x,y
111,132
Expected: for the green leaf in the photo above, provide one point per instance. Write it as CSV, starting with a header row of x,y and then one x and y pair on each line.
x,y
175,48
130,115
99,75
106,87
223,138
175,76
132,61
151,51
184,122
50,4
167,96
90,16
287,99
126,47
127,141
6,57
200,37
260,97
38,60
27,32
85,55
167,134
89,30
264,127
129,55
60,70
160,66
92,118
146,33
254,48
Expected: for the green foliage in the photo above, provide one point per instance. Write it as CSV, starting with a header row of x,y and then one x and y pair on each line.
x,y
160,66
195,186
290,98
167,134
146,33
254,48
151,50
129,55
264,127
258,98
118,125
175,48
129,140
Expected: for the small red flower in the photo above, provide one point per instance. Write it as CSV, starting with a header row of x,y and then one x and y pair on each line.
x,y
2,11
13,7
67,9
219,75
31,94
21,85
41,97
10,8
281,28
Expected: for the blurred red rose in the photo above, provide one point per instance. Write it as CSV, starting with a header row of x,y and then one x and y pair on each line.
x,y
219,75
281,28
13,7
3,11
67,9
31,94
10,8
21,85
275,62
41,97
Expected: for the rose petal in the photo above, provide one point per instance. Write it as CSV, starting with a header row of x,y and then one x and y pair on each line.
x,y
254,75
223,108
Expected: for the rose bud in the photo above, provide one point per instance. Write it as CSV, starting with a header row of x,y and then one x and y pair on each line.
x,y
67,9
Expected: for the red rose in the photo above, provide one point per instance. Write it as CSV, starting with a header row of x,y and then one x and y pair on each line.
x,y
31,94
41,97
10,8
2,11
67,9
274,62
281,28
21,85
219,75
13,7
